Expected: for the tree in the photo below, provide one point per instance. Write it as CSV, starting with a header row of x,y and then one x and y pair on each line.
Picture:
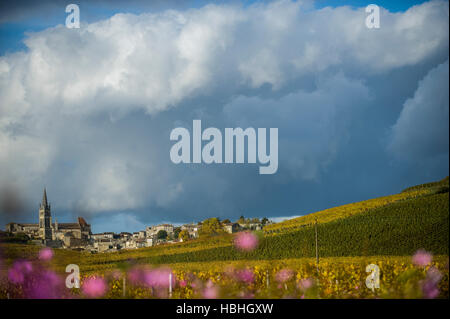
x,y
226,221
255,220
176,232
211,227
264,220
162,234
241,220
184,234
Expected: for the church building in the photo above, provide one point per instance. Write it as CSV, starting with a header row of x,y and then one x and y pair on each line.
x,y
68,235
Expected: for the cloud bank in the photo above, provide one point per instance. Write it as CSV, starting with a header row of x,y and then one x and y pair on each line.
x,y
87,112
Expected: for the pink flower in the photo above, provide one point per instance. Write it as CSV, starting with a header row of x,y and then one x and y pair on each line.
x,y
246,241
94,287
15,276
45,285
196,284
135,276
245,275
210,291
182,283
284,275
19,270
159,278
422,258
305,283
430,289
434,275
46,254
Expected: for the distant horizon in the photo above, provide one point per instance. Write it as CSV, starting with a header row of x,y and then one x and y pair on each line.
x,y
275,219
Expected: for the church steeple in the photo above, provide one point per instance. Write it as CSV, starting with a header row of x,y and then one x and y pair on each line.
x,y
45,218
44,198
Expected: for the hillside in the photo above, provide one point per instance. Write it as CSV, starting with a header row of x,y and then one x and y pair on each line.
x,y
352,209
399,229
396,225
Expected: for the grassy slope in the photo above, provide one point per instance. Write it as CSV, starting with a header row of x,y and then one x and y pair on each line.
x,y
352,209
393,225
399,229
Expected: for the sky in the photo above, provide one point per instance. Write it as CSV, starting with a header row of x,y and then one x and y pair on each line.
x,y
87,113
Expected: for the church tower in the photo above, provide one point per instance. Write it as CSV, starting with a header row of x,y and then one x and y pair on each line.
x,y
45,219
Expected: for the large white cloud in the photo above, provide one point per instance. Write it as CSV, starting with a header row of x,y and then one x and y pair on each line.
x,y
68,104
153,61
421,131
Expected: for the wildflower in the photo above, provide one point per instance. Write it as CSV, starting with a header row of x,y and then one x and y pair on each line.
x,y
422,258
46,253
94,287
246,241
210,291
284,275
135,276
45,285
430,289
15,276
305,284
19,270
159,278
245,275
434,275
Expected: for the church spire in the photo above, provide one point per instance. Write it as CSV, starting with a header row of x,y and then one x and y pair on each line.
x,y
44,198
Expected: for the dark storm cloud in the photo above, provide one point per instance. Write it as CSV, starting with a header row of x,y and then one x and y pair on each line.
x,y
88,112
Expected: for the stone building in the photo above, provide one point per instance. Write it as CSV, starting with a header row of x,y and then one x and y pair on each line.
x,y
153,230
232,227
192,229
53,233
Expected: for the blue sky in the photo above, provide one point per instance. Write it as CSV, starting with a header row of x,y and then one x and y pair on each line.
x,y
13,31
87,112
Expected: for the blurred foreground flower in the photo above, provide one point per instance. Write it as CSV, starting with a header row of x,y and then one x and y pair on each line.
x,y
45,285
94,287
246,241
305,284
159,278
210,291
46,254
284,275
422,258
19,270
245,275
136,276
430,288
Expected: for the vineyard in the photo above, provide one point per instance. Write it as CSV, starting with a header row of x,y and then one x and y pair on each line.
x,y
380,230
